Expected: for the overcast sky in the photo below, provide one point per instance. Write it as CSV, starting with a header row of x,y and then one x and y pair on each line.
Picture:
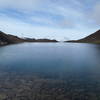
x,y
59,19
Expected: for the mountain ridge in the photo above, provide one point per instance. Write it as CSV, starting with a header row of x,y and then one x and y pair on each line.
x,y
92,38
6,39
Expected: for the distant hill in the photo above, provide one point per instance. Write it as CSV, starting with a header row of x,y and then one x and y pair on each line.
x,y
93,38
9,39
6,39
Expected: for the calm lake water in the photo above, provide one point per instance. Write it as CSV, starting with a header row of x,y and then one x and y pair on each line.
x,y
77,66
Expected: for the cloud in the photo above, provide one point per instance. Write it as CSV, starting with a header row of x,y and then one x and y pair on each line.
x,y
42,20
77,3
19,28
43,7
96,13
19,4
51,8
49,18
49,22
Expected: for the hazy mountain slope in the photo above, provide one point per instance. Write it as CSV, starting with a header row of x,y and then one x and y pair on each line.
x,y
93,38
11,39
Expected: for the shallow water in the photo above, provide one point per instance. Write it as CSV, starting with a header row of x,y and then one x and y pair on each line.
x,y
69,66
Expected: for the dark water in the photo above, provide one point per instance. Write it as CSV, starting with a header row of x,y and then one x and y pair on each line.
x,y
68,71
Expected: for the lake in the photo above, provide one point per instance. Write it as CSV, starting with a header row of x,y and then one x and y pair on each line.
x,y
50,71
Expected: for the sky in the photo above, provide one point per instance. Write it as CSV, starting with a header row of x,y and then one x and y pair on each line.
x,y
54,19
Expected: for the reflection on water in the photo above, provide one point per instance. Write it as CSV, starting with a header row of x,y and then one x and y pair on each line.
x,y
50,71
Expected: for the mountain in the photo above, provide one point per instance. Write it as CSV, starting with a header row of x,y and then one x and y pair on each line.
x,y
9,39
39,40
93,38
6,39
